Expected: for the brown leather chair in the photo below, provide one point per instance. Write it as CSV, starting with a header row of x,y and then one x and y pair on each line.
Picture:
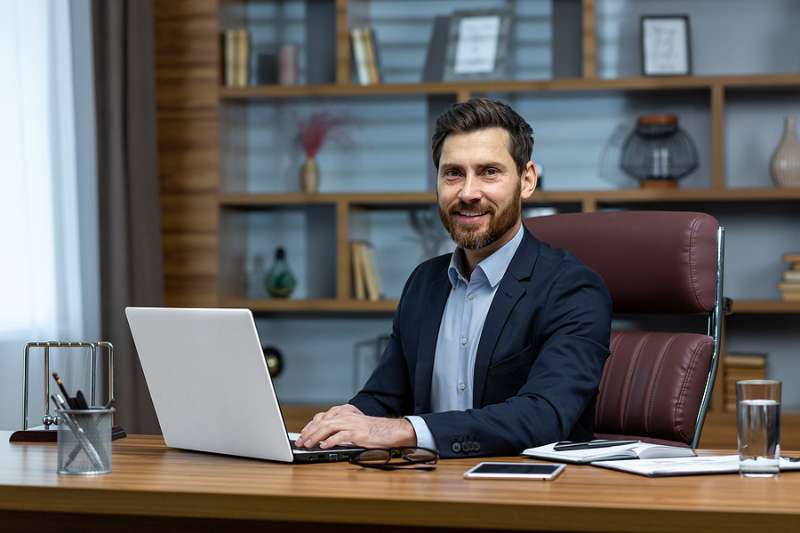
x,y
656,386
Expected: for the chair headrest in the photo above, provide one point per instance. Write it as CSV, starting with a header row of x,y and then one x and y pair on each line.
x,y
651,261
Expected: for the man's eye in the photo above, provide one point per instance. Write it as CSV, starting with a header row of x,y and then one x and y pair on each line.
x,y
491,171
451,172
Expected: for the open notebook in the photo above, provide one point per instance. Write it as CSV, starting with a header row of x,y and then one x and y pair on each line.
x,y
716,464
639,450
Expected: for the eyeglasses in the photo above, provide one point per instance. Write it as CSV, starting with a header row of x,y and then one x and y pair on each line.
x,y
406,458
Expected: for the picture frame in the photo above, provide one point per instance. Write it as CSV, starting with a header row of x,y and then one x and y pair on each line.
x,y
666,45
478,45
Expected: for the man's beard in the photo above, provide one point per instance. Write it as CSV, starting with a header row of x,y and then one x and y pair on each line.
x,y
473,238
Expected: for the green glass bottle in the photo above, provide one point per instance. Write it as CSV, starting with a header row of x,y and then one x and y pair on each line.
x,y
280,281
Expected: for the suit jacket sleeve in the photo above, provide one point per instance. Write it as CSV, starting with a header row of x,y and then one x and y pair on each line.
x,y
388,390
561,384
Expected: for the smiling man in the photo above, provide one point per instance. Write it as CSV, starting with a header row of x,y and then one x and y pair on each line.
x,y
498,346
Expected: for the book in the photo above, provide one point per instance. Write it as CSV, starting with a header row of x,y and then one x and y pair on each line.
x,y
793,259
789,287
359,282
242,59
359,56
792,276
639,450
686,466
740,360
370,273
437,48
371,44
229,57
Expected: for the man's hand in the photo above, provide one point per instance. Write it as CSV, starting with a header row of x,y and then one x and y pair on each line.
x,y
347,424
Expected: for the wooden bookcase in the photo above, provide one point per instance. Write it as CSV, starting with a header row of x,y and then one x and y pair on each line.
x,y
203,234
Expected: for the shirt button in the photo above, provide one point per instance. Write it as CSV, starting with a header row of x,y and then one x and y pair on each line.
x,y
471,296
461,386
463,341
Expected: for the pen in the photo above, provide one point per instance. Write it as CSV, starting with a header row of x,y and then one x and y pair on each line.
x,y
564,446
71,402
76,450
81,400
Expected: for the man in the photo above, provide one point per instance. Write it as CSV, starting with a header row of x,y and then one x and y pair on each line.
x,y
499,346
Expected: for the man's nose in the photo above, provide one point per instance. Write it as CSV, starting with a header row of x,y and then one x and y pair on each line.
x,y
470,191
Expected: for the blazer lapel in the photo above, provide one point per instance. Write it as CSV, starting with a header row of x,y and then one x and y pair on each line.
x,y
426,348
509,292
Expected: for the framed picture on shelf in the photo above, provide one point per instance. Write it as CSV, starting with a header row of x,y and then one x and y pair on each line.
x,y
478,45
666,45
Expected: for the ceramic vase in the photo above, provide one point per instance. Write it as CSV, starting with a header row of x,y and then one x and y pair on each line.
x,y
309,176
274,359
280,281
785,164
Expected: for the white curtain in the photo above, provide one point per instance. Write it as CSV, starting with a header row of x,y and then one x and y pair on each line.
x,y
48,229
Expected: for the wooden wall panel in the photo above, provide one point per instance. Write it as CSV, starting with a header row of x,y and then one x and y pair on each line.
x,y
171,9
193,254
189,155
191,291
189,213
187,79
194,89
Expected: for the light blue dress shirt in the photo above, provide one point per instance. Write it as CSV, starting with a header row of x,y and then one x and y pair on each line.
x,y
460,331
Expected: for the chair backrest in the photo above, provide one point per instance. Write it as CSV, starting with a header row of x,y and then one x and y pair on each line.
x,y
656,385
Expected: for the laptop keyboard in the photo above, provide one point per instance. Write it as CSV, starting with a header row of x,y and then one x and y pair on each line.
x,y
318,449
304,449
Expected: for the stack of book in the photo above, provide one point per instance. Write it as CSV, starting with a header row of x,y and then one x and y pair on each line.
x,y
790,286
366,64
235,57
740,366
366,284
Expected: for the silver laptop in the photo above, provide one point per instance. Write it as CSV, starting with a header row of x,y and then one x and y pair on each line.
x,y
211,387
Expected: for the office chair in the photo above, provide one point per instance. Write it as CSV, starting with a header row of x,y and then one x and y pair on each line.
x,y
656,386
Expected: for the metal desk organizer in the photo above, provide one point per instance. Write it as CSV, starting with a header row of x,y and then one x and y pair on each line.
x,y
47,432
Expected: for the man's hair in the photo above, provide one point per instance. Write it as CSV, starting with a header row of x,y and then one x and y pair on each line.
x,y
482,113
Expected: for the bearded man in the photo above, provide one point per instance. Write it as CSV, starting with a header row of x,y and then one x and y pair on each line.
x,y
498,346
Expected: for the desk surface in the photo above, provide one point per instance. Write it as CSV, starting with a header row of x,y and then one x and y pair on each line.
x,y
151,480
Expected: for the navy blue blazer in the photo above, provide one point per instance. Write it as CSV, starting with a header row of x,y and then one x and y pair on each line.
x,y
539,361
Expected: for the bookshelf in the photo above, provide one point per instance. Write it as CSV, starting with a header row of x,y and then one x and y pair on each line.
x,y
678,83
213,193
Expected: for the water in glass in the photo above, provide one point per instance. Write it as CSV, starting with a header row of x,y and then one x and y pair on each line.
x,y
759,437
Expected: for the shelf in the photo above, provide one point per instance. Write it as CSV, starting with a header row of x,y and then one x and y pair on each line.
x,y
328,305
759,81
759,307
291,198
539,197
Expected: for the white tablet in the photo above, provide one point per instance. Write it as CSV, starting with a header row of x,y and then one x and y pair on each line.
x,y
498,470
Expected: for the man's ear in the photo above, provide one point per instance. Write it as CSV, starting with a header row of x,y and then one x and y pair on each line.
x,y
528,181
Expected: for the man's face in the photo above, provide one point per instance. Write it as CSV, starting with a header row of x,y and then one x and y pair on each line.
x,y
479,190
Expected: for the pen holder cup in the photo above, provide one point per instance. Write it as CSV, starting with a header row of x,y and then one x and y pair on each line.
x,y
84,441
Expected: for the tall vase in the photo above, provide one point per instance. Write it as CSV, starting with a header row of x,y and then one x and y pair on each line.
x,y
785,165
309,176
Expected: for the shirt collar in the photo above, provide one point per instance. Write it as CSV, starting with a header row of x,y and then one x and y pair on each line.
x,y
493,267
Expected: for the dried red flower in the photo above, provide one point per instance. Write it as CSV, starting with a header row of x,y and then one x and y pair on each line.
x,y
312,131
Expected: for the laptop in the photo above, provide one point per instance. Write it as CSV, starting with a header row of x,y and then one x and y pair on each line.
x,y
210,385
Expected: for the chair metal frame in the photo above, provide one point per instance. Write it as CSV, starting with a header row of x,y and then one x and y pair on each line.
x,y
714,330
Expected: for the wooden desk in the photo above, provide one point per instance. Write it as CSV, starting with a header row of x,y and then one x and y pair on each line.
x,y
155,489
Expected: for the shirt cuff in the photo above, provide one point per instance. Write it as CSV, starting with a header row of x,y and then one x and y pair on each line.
x,y
424,436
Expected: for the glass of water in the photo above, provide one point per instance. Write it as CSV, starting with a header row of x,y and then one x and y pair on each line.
x,y
758,425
